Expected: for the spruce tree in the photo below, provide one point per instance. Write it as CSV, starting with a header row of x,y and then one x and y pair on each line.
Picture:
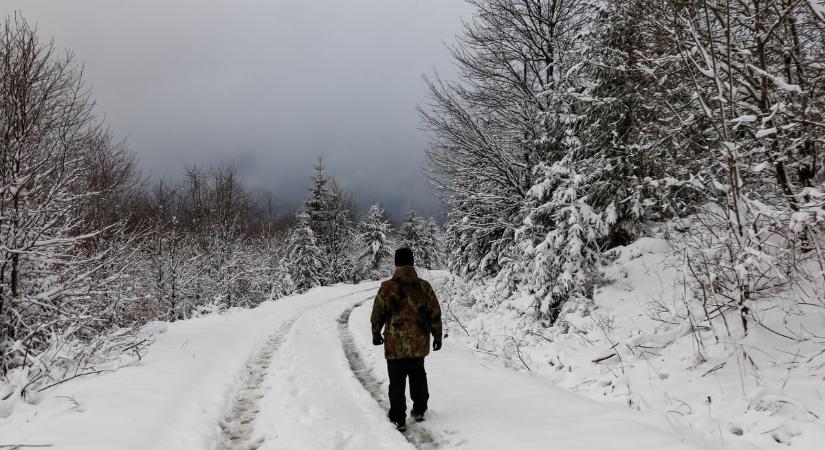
x,y
318,210
410,231
376,247
434,244
304,255
421,235
340,239
317,204
560,240
331,212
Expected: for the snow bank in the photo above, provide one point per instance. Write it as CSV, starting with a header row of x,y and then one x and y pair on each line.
x,y
634,347
174,398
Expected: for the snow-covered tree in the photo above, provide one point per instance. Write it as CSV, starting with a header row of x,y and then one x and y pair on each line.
x,y
491,127
62,275
375,243
272,277
174,265
620,132
435,241
225,278
305,258
340,240
561,239
331,212
419,234
608,137
318,204
757,86
552,93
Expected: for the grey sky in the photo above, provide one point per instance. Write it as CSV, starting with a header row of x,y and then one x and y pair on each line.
x,y
266,85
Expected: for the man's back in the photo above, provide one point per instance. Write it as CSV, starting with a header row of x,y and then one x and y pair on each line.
x,y
408,310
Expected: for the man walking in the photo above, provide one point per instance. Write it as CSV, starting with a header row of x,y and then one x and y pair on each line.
x,y
407,309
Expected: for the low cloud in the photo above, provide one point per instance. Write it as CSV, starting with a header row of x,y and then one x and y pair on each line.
x,y
266,86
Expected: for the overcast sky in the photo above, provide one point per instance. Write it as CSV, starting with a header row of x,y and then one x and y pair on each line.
x,y
266,85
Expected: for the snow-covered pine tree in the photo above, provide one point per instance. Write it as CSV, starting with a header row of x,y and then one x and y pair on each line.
x,y
608,141
304,256
332,218
436,243
375,245
561,240
317,205
318,208
409,232
612,132
418,234
340,240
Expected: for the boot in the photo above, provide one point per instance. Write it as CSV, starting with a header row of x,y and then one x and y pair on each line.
x,y
400,426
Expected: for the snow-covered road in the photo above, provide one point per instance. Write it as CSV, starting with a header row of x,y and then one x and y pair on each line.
x,y
281,377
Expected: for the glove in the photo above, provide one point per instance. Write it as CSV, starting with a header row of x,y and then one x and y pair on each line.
x,y
377,340
437,345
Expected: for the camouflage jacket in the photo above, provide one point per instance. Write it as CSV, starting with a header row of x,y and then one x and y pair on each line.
x,y
407,309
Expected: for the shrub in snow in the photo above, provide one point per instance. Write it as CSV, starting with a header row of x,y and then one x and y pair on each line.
x,y
271,273
174,264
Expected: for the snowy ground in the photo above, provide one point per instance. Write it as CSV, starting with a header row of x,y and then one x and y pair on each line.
x,y
282,376
764,391
178,396
479,404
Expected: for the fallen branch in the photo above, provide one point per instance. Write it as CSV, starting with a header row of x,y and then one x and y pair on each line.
x,y
533,333
19,446
714,369
518,353
458,321
604,358
486,352
91,372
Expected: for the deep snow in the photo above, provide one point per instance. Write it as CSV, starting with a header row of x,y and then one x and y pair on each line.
x,y
279,376
176,398
763,391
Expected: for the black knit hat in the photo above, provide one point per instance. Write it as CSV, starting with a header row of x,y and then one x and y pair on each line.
x,y
404,257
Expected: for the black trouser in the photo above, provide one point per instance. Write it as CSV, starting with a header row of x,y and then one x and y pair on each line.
x,y
399,370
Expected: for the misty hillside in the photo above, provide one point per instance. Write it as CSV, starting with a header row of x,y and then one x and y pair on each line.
x,y
626,251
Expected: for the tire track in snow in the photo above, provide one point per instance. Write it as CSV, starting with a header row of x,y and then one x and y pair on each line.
x,y
417,435
237,426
